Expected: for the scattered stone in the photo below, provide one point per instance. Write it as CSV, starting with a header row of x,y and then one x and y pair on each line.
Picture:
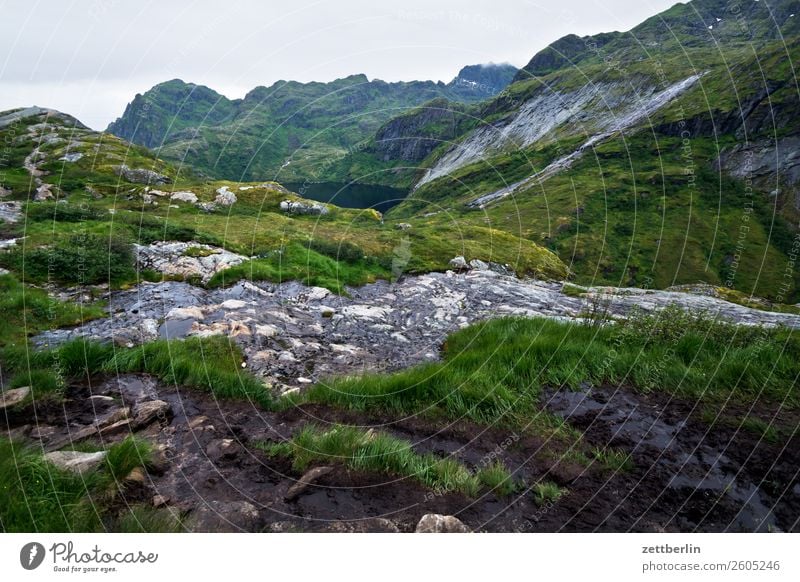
x,y
437,523
479,265
222,449
311,208
137,475
225,197
150,411
115,428
160,501
13,397
42,432
75,461
226,516
308,478
71,157
43,192
141,175
458,264
402,226
365,312
185,313
10,211
199,422
189,197
317,294
267,330
238,328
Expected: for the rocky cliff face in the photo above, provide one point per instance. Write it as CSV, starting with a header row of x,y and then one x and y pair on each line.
x,y
157,116
412,137
488,79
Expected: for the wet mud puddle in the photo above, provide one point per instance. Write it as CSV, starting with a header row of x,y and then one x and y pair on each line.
x,y
666,445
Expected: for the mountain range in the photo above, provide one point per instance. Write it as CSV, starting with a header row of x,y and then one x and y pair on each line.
x,y
297,129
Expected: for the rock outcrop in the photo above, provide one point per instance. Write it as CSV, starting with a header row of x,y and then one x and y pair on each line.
x,y
436,523
299,207
75,461
186,259
13,397
292,335
225,197
141,175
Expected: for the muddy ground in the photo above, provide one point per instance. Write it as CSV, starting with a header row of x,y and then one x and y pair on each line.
x,y
685,476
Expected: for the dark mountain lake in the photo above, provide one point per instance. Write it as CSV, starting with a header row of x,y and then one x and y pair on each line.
x,y
381,198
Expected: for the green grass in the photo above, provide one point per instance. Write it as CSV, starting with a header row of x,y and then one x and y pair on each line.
x,y
547,492
612,459
26,310
768,431
209,364
36,496
77,259
493,372
382,453
296,263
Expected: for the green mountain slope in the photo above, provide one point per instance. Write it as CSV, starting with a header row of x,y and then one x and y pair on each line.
x,y
73,202
655,157
289,131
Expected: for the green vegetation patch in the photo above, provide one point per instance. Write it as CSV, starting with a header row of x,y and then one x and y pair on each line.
x,y
36,496
382,453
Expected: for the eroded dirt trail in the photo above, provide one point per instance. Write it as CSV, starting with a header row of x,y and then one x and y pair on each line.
x,y
209,470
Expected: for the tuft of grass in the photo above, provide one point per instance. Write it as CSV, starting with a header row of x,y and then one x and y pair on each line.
x,y
77,259
496,478
198,252
124,457
143,519
382,453
546,492
768,431
36,496
572,290
211,364
613,459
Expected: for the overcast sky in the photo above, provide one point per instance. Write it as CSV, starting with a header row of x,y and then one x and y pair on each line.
x,y
90,57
